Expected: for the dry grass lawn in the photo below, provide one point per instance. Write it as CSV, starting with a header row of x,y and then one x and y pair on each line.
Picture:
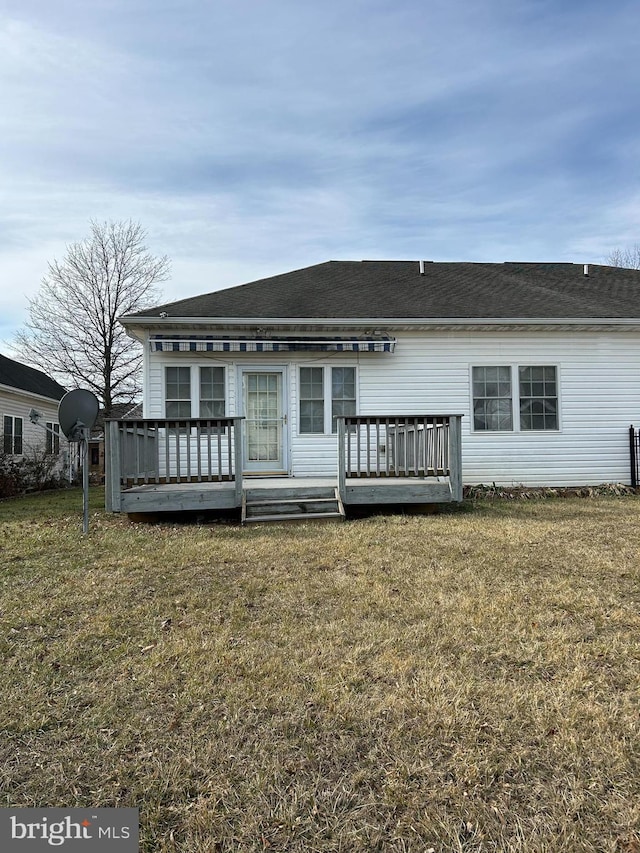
x,y
465,681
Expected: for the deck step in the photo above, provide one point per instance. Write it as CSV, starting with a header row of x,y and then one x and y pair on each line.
x,y
297,516
273,501
306,505
289,493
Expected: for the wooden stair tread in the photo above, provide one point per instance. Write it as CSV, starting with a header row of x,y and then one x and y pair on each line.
x,y
269,501
256,509
297,516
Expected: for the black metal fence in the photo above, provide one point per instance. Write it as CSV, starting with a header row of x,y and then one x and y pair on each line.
x,y
634,451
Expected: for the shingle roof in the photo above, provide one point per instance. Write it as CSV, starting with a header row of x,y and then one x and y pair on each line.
x,y
18,375
395,289
121,411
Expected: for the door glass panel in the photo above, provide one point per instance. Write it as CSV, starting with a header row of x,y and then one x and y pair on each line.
x,y
263,407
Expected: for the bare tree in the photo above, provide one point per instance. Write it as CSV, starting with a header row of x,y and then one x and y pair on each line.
x,y
629,258
73,332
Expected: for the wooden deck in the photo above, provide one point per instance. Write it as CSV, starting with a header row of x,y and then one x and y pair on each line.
x,y
156,466
185,497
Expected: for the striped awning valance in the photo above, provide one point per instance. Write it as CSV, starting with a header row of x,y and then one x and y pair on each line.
x,y
217,343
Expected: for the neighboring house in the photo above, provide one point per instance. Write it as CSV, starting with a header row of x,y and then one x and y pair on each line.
x,y
96,441
532,369
22,389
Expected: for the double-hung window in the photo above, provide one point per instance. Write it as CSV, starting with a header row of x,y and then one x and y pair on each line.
x,y
515,398
311,399
326,393
12,435
52,441
208,395
492,405
212,392
178,392
343,393
538,398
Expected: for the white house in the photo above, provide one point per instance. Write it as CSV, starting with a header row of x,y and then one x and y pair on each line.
x,y
532,368
22,389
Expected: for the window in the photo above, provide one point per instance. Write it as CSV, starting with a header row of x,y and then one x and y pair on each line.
x,y
178,392
492,409
212,392
53,439
493,398
317,386
311,399
12,435
538,398
343,393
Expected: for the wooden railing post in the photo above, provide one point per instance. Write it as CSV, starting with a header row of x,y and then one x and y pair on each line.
x,y
342,481
112,474
455,456
237,461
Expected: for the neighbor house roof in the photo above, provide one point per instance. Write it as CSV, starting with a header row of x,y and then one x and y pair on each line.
x,y
398,289
17,375
120,411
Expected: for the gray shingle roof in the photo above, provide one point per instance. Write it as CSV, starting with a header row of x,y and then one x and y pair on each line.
x,y
18,375
395,289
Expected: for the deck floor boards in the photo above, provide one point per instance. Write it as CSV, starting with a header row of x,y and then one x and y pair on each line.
x,y
167,497
284,483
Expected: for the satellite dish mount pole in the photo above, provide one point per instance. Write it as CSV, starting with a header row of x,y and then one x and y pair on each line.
x,y
84,451
77,413
81,433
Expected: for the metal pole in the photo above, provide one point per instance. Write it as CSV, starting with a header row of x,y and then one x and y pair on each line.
x,y
84,444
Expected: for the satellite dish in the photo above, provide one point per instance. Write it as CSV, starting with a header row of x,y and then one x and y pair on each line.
x,y
76,410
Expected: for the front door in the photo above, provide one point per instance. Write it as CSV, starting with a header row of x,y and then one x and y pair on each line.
x,y
265,419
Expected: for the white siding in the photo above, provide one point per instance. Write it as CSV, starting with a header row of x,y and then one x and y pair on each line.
x,y
430,373
18,404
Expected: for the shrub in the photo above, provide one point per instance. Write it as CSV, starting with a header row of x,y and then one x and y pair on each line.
x,y
35,470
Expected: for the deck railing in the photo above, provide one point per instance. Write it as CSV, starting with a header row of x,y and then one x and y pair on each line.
x,y
400,446
170,450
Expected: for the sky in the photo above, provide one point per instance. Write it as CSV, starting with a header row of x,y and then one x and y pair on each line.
x,y
253,137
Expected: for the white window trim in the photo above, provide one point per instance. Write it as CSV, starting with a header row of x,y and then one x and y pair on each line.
x,y
328,397
14,418
164,388
53,437
194,386
301,367
225,383
515,397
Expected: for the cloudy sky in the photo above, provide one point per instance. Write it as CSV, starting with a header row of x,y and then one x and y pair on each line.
x,y
251,137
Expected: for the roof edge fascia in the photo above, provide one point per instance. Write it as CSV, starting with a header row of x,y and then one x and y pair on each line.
x,y
15,390
386,322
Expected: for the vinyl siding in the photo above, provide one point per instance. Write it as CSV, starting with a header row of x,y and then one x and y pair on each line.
x,y
18,404
599,396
